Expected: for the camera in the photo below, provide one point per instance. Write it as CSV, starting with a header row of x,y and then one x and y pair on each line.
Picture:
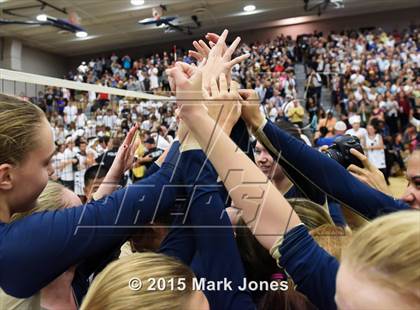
x,y
156,154
340,151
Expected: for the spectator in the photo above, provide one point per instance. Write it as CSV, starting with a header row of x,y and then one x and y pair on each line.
x,y
296,113
374,147
356,130
68,163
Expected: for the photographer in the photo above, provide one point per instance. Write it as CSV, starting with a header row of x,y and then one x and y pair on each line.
x,y
375,150
316,273
314,86
150,155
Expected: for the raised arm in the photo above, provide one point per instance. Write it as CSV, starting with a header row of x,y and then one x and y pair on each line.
x,y
123,161
65,238
217,251
323,172
264,209
251,114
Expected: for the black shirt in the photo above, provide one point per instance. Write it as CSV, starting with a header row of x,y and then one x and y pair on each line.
x,y
107,158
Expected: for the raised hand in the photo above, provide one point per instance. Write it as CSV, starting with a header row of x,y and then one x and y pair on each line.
x,y
223,104
251,113
219,60
180,71
124,159
202,50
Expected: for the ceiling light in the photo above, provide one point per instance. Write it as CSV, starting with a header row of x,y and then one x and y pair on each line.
x,y
137,2
249,8
41,17
81,34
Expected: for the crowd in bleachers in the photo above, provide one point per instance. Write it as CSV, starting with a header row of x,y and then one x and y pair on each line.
x,y
372,77
326,232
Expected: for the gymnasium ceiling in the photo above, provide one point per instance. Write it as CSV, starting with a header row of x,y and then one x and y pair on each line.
x,y
113,23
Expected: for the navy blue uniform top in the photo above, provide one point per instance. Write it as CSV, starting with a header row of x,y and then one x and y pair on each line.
x,y
213,233
202,236
327,175
312,269
40,247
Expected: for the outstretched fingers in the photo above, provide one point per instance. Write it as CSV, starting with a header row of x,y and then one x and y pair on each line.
x,y
237,60
229,52
217,50
195,55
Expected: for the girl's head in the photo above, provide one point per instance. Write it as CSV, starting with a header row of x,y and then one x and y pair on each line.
x,y
54,197
26,148
331,238
371,130
116,287
381,265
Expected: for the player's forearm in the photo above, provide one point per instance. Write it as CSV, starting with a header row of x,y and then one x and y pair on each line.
x,y
264,208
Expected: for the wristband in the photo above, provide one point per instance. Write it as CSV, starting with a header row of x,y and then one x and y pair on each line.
x,y
95,196
190,144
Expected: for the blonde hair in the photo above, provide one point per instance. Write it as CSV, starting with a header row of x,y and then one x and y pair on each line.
x,y
388,251
51,199
310,213
110,289
20,121
331,238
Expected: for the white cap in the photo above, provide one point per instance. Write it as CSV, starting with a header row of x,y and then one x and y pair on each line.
x,y
340,126
69,140
354,119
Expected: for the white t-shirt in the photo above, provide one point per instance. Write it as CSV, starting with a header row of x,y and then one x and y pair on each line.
x,y
92,96
357,78
146,125
81,120
273,114
66,93
390,107
376,157
360,133
109,121
161,142
70,113
57,159
67,172
154,83
90,131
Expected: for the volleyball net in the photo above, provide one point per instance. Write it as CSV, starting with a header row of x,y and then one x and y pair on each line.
x,y
30,85
90,114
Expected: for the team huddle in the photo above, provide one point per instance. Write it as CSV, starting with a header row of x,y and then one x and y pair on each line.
x,y
236,212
